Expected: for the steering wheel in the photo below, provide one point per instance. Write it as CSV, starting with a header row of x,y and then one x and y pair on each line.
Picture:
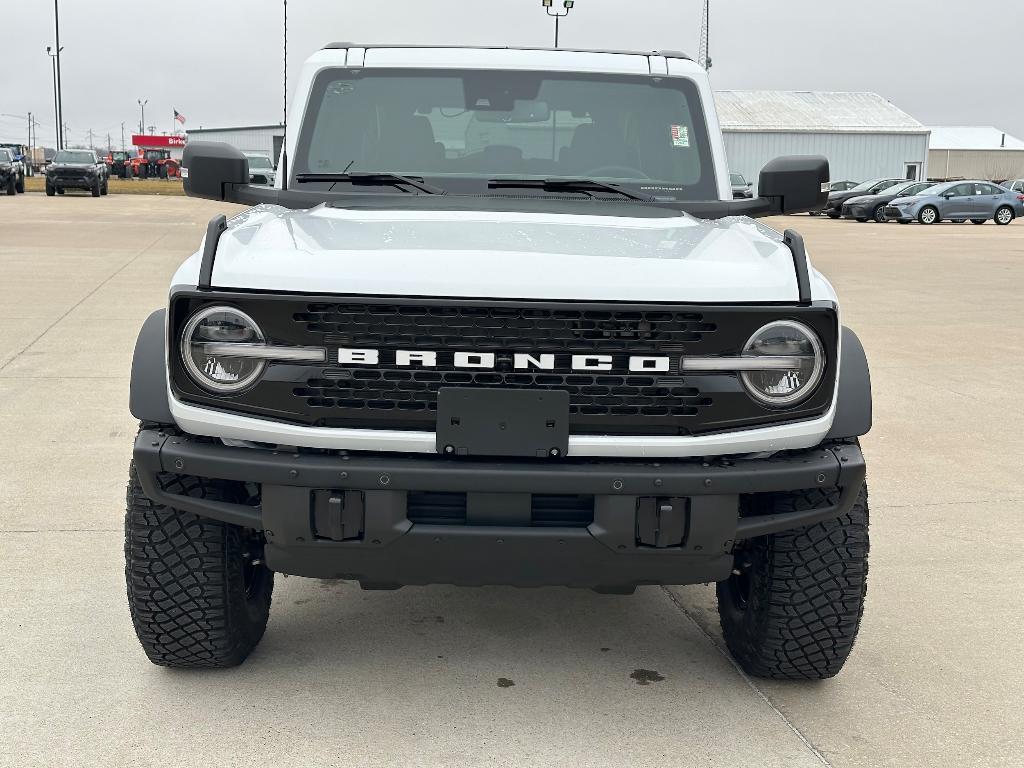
x,y
615,170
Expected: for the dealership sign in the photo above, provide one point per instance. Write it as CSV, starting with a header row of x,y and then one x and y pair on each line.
x,y
168,141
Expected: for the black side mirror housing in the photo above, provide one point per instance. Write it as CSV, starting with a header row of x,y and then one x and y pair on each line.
x,y
210,169
795,184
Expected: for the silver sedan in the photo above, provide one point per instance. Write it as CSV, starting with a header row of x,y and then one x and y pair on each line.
x,y
978,201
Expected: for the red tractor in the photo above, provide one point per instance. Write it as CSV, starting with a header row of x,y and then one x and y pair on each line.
x,y
155,163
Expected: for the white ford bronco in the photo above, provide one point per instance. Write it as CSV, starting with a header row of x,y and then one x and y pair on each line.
x,y
500,321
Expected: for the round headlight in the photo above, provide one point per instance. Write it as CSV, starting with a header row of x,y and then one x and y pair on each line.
x,y
789,381
205,349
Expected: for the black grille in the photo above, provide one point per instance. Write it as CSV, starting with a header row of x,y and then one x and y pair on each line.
x,y
501,328
612,402
589,394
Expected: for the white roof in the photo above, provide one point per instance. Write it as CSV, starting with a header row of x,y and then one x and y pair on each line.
x,y
973,137
818,111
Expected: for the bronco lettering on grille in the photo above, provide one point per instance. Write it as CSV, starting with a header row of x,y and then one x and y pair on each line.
x,y
404,358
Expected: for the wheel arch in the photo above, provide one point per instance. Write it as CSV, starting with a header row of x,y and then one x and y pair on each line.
x,y
147,398
853,399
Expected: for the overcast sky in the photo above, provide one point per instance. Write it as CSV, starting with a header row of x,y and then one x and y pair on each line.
x,y
219,62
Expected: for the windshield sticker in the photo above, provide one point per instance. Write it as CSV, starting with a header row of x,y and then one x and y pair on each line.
x,y
680,136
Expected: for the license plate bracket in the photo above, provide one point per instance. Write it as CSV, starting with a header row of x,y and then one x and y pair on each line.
x,y
502,422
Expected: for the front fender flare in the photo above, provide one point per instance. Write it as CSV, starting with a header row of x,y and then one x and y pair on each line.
x,y
853,400
148,396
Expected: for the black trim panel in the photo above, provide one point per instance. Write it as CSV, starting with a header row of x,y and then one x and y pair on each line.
x,y
853,404
148,395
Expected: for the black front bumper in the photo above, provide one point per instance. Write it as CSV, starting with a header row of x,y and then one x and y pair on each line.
x,y
371,539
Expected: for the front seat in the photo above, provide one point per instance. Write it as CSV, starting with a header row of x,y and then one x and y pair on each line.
x,y
406,145
595,147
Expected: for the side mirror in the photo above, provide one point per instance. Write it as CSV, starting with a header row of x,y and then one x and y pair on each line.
x,y
795,184
210,168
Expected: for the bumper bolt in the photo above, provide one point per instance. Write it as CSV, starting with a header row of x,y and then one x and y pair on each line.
x,y
179,463
293,473
617,485
821,478
658,483
385,480
344,475
707,482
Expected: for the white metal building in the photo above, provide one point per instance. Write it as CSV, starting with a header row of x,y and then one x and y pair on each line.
x,y
266,139
863,135
975,152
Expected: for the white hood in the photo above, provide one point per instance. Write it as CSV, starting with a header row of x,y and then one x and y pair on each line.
x,y
505,255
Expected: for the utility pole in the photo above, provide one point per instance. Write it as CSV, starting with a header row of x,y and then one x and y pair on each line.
x,y
60,97
110,146
122,136
549,5
91,144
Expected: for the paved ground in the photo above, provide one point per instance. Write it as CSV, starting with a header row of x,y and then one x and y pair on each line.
x,y
411,678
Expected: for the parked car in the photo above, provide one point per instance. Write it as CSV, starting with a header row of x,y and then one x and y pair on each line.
x,y
866,207
741,188
77,169
12,173
978,201
842,186
837,186
1015,185
261,169
834,207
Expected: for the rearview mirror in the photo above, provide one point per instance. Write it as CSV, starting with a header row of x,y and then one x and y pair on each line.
x,y
209,167
795,184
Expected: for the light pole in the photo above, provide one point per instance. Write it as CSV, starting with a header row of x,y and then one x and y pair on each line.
x,y
57,45
549,7
142,121
56,98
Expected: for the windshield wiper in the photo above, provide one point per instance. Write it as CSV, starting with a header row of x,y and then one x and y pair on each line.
x,y
570,185
372,179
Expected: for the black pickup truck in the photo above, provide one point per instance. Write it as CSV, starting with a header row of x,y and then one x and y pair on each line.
x,y
12,173
77,169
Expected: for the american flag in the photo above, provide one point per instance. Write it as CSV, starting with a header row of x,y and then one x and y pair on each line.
x,y
179,117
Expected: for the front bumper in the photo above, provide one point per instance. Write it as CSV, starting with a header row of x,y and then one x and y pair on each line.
x,y
893,213
72,182
307,500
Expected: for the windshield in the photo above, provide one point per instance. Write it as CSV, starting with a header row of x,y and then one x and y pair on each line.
x,y
259,161
736,179
463,128
5,156
71,156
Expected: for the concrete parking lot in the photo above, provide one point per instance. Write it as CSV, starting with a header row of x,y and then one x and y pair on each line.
x,y
439,676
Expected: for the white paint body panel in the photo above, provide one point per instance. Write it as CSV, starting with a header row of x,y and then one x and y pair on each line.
x,y
505,255
474,254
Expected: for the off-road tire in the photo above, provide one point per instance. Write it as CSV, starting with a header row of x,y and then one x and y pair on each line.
x,y
1004,215
11,186
20,186
105,189
195,600
793,610
96,188
50,191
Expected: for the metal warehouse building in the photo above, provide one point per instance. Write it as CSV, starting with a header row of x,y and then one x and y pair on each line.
x,y
862,135
252,138
975,152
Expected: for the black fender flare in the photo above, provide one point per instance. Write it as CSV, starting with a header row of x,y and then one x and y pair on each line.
x,y
853,400
147,399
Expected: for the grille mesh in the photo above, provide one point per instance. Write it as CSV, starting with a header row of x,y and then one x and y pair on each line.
x,y
505,331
